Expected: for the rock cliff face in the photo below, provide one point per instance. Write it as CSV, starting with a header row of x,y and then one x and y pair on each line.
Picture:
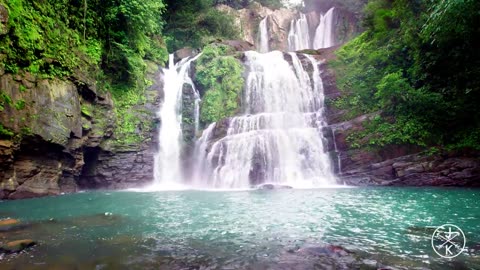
x,y
278,23
346,22
62,138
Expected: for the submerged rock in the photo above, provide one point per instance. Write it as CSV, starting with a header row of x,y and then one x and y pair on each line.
x,y
330,250
8,224
273,186
17,246
417,230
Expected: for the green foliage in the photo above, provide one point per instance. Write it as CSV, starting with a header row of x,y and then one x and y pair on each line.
x,y
4,132
5,99
87,110
107,40
195,23
60,37
220,75
380,132
39,38
20,104
418,64
238,4
127,122
26,131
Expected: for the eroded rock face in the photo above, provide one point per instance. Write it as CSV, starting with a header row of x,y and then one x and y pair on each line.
x,y
417,170
66,138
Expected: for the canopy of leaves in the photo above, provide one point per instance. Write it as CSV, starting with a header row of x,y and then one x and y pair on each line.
x,y
56,38
195,23
418,63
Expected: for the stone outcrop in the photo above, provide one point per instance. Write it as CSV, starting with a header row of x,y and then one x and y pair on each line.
x,y
64,138
3,20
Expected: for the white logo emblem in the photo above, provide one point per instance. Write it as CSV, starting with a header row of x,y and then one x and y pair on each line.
x,y
448,241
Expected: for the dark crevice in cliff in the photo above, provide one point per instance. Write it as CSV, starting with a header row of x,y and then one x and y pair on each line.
x,y
90,159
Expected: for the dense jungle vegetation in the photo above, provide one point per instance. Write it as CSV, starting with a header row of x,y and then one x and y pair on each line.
x,y
108,41
418,64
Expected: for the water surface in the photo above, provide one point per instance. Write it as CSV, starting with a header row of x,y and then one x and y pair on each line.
x,y
243,229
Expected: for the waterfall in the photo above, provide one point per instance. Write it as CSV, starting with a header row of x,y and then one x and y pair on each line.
x,y
337,152
263,36
278,139
324,36
167,169
299,36
201,165
299,33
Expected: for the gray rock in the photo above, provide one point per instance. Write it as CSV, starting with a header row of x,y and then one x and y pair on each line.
x,y
3,20
272,186
184,53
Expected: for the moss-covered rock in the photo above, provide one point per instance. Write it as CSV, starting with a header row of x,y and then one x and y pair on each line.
x,y
220,76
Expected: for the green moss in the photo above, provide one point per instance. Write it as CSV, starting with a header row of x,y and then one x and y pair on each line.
x,y
220,75
20,104
5,132
87,110
128,120
26,131
5,99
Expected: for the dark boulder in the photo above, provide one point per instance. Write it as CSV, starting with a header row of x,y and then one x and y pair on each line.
x,y
239,45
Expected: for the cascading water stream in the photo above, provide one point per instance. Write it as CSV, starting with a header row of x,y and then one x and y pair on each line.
x,y
324,36
278,139
299,36
299,33
167,169
263,36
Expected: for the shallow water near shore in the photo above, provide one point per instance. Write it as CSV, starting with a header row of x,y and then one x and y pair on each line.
x,y
255,229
